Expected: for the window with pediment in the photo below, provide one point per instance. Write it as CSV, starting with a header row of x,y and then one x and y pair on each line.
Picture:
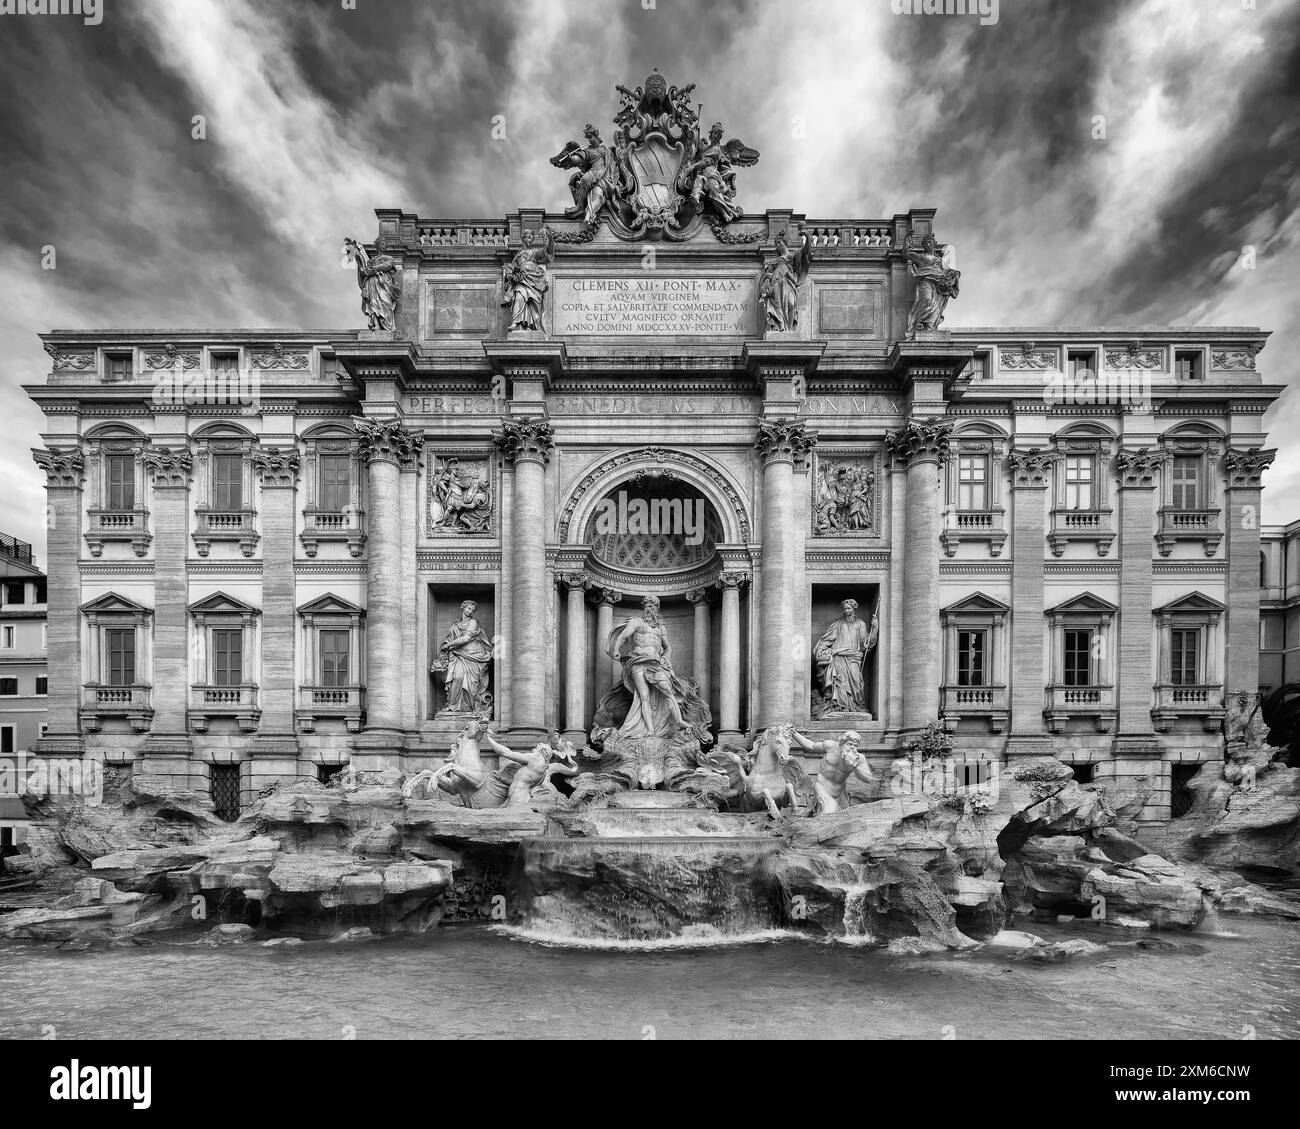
x,y
1082,509
117,488
332,647
975,509
1190,661
117,661
975,661
224,661
1081,678
1189,496
225,484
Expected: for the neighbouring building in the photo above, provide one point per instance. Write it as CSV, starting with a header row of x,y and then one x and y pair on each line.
x,y
1279,605
262,541
23,674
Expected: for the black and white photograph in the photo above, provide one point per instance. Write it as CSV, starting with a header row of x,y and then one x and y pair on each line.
x,y
650,520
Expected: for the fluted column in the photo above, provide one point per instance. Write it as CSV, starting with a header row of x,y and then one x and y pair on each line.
x,y
1031,471
1137,470
780,443
922,447
699,597
609,671
386,444
526,445
63,509
1245,469
170,468
729,663
575,665
278,469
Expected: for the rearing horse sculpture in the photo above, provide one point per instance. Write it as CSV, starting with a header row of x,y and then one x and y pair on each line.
x,y
465,775
775,779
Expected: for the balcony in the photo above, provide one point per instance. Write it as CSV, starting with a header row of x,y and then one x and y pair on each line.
x,y
347,703
1188,525
339,525
104,526
1065,703
226,525
975,525
988,702
238,702
1173,702
134,703
1081,525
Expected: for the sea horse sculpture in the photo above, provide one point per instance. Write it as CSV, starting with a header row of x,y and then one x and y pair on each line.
x,y
770,777
465,775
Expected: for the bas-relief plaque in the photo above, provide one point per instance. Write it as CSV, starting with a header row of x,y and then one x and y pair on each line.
x,y
461,309
849,309
656,305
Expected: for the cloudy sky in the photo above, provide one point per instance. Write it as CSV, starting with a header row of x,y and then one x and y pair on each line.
x,y
317,113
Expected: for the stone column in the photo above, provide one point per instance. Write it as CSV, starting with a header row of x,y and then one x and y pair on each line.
x,y
608,671
575,666
278,469
780,442
386,444
921,447
729,665
1133,672
170,469
700,666
1031,472
63,511
526,444
1245,469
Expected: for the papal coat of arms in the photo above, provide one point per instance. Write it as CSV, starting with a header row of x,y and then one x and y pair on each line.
x,y
661,178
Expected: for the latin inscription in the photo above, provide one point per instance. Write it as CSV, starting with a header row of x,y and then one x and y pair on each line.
x,y
658,405
655,305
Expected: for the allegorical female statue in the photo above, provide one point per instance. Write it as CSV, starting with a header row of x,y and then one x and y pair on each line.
x,y
782,277
934,284
377,278
839,656
526,279
463,661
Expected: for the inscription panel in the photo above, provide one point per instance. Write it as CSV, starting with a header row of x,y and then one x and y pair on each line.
x,y
461,309
845,309
655,305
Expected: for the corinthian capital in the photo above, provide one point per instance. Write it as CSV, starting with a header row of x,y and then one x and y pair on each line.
x,y
62,468
523,440
168,466
388,440
1246,466
277,466
919,441
783,440
1030,468
1137,467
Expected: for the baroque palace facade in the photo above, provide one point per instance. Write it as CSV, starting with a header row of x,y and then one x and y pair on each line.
x,y
266,548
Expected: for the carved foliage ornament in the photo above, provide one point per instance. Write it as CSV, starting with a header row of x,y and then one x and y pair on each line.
x,y
1137,467
78,362
62,468
169,357
1031,467
783,440
525,439
387,440
279,357
1135,356
1236,358
1246,466
1027,357
919,441
278,466
169,466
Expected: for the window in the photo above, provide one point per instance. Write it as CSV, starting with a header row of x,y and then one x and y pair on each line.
x,y
971,661
1187,366
7,637
1184,651
6,735
119,474
972,482
224,784
41,590
8,687
326,772
334,657
1083,773
42,685
119,366
1181,796
119,649
1077,670
225,362
1078,482
1185,475
1080,368
228,482
227,656
16,593
335,485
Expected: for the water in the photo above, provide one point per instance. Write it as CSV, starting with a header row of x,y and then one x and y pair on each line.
x,y
471,982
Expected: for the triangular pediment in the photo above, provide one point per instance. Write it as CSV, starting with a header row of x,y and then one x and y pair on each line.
x,y
220,603
330,604
977,602
1085,602
112,604
1195,602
